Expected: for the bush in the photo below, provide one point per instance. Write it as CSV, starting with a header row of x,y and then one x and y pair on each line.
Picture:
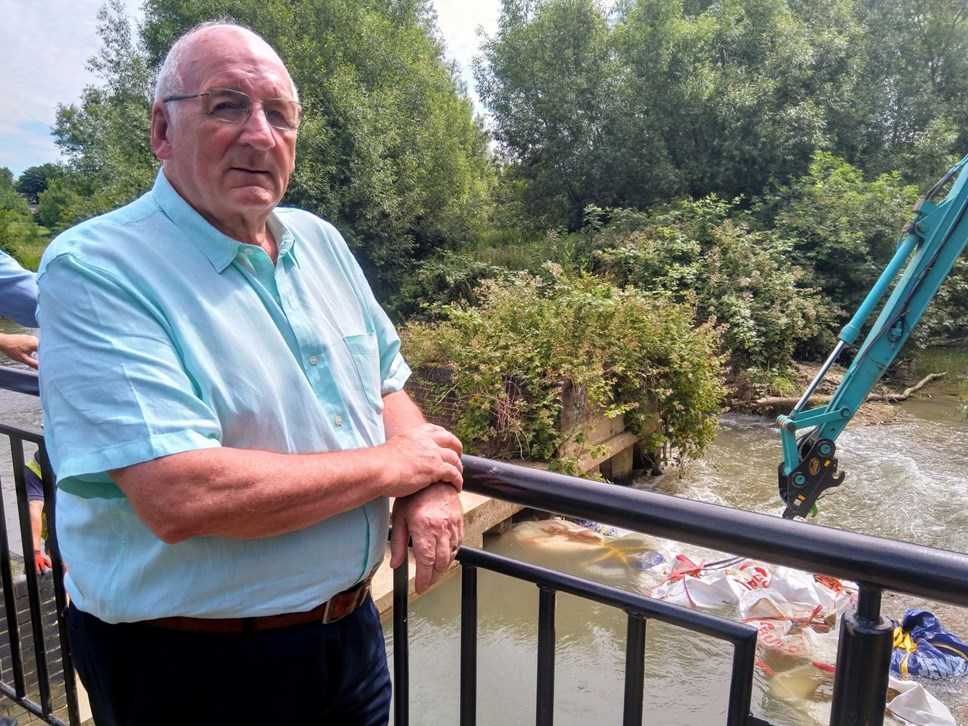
x,y
626,352
705,253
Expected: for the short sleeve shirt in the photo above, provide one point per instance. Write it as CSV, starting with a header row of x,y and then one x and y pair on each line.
x,y
162,335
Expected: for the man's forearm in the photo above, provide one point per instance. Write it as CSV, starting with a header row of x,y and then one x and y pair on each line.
x,y
245,493
400,413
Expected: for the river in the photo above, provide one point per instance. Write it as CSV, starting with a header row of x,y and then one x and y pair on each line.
x,y
904,480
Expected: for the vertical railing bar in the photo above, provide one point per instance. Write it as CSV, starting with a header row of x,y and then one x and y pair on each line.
x,y
10,603
401,646
468,645
868,602
863,662
741,681
634,669
30,576
49,481
545,697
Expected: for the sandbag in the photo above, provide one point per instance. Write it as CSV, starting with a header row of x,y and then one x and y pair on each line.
x,y
924,647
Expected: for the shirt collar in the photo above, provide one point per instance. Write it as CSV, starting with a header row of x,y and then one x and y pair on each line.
x,y
219,248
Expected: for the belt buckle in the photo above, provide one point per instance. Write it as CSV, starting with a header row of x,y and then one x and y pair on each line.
x,y
344,603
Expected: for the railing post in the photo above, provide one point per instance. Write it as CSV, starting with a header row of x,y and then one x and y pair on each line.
x,y
401,646
546,657
634,669
468,645
863,663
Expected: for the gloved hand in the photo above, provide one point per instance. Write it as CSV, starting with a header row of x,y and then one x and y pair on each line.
x,y
42,562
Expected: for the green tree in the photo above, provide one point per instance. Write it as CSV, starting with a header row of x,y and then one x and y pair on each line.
x,y
739,91
844,228
707,253
34,180
549,79
20,236
105,137
912,91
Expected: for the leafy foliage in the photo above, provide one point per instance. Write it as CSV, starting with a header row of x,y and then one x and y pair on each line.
x,y
704,252
649,100
105,138
34,180
627,353
843,227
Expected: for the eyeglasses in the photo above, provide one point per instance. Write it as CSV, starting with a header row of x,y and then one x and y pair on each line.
x,y
235,107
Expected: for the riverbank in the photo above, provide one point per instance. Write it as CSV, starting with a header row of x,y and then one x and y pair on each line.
x,y
888,393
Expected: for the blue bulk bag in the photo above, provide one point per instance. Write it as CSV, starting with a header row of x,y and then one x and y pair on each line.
x,y
924,647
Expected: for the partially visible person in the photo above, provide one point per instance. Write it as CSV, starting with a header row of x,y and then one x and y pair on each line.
x,y
224,475
34,478
18,292
20,347
18,301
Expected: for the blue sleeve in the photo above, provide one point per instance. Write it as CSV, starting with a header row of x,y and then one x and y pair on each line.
x,y
18,292
113,388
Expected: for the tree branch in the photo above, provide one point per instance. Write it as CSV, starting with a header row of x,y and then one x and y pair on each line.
x,y
778,401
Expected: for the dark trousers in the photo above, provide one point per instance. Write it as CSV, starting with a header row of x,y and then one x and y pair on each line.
x,y
140,675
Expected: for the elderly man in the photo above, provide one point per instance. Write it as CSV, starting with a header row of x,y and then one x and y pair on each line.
x,y
224,409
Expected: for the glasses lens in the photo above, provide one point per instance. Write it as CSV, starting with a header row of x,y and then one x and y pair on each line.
x,y
234,107
282,113
227,105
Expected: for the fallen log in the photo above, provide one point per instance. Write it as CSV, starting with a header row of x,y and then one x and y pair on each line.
x,y
786,401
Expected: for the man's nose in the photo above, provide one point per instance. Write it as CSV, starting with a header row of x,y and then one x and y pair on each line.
x,y
256,129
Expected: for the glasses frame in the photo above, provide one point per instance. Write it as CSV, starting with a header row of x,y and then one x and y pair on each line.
x,y
251,105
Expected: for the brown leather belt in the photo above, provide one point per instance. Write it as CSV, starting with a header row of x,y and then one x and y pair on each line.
x,y
337,607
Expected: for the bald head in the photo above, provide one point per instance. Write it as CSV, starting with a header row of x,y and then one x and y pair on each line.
x,y
198,43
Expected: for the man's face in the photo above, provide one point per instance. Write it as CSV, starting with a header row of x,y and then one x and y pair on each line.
x,y
231,173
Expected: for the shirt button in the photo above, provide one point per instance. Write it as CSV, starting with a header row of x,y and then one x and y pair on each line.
x,y
313,361
248,251
338,421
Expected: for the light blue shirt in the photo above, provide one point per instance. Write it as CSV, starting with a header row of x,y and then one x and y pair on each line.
x,y
18,292
162,335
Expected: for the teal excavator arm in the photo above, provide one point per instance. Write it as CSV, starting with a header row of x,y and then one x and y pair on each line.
x,y
927,249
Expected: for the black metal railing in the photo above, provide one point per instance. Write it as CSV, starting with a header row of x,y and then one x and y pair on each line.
x,y
866,637
860,685
36,672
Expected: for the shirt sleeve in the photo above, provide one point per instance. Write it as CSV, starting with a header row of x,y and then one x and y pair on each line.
x,y
113,389
18,292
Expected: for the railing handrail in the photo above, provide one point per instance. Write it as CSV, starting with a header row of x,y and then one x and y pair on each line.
x,y
873,561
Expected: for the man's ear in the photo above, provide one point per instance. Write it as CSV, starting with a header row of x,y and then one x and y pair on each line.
x,y
160,130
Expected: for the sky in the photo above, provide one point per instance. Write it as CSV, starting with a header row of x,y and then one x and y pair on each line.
x,y
45,46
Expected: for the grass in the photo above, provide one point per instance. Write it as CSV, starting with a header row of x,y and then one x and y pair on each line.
x,y
937,359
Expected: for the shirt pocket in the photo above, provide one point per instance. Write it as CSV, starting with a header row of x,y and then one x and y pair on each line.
x,y
365,352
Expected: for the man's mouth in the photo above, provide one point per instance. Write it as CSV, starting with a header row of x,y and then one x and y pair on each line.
x,y
246,170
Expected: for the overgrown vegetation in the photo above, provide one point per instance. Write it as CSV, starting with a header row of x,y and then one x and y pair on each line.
x,y
704,252
623,352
